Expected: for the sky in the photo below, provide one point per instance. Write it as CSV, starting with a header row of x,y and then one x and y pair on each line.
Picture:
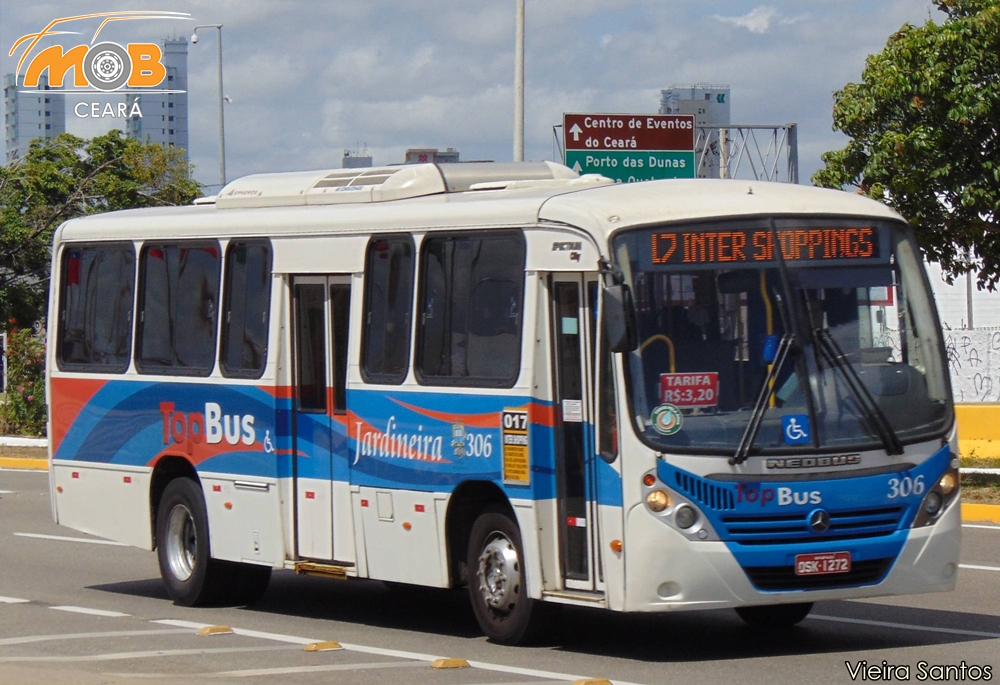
x,y
309,79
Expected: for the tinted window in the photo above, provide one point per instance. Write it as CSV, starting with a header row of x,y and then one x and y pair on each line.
x,y
95,308
310,332
340,302
388,303
248,303
472,289
179,307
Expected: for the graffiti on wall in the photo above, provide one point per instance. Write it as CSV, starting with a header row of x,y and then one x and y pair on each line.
x,y
974,363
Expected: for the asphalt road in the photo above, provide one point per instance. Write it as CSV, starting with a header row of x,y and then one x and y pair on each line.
x,y
76,611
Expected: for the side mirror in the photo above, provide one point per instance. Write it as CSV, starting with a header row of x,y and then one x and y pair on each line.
x,y
619,319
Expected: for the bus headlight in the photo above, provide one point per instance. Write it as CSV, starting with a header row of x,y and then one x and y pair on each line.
x,y
947,483
658,500
932,503
944,492
685,516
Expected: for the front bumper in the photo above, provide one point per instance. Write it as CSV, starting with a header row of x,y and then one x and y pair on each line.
x,y
664,571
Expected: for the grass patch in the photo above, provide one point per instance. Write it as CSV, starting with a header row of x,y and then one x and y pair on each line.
x,y
980,462
980,489
24,452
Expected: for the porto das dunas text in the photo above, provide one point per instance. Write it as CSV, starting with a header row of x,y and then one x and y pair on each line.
x,y
922,671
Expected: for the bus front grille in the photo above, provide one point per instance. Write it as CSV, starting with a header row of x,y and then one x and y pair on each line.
x,y
777,578
787,529
704,493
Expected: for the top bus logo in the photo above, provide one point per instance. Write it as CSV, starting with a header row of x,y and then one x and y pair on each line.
x,y
105,66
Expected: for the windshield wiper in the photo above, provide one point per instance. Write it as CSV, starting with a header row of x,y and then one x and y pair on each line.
x,y
753,425
836,358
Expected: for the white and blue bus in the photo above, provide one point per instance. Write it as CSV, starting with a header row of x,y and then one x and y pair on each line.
x,y
657,396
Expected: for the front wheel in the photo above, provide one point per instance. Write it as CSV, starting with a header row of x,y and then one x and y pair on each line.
x,y
775,615
495,574
192,577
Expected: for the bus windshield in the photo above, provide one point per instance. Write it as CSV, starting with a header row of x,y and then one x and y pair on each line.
x,y
830,344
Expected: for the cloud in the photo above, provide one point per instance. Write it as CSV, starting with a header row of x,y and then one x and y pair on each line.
x,y
757,21
309,79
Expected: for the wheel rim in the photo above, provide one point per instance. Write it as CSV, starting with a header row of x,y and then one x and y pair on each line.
x,y
499,574
182,542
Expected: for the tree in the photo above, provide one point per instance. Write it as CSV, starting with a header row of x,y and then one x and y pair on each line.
x,y
67,177
924,125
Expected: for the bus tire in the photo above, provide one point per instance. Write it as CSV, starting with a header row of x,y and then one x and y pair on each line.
x,y
495,575
775,615
183,549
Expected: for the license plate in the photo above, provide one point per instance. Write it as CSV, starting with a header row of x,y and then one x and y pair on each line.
x,y
822,564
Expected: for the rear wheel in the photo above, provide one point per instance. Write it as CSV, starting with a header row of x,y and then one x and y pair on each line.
x,y
776,615
495,574
191,576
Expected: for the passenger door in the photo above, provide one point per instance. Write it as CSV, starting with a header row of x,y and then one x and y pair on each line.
x,y
573,321
320,316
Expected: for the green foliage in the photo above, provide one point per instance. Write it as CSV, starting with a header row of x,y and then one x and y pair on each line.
x,y
69,177
925,134
24,412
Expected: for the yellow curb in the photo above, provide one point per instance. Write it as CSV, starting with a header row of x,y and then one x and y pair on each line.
x,y
450,663
327,646
19,463
981,512
216,630
592,681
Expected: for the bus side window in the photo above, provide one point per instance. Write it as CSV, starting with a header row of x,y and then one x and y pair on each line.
x,y
385,347
247,309
95,308
471,300
179,304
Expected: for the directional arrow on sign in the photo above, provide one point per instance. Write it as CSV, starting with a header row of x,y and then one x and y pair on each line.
x,y
576,131
577,168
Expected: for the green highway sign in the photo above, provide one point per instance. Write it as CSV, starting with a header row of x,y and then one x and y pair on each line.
x,y
630,147
629,166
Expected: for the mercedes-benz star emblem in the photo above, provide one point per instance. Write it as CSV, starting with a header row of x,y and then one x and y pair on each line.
x,y
819,521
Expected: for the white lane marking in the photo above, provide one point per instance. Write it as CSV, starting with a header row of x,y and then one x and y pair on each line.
x,y
977,525
906,626
7,492
28,639
181,624
13,600
400,654
151,654
63,538
250,673
980,568
91,612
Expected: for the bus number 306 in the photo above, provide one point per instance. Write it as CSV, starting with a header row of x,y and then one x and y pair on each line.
x,y
478,445
906,486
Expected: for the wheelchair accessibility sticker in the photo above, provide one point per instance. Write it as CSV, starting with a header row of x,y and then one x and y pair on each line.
x,y
795,428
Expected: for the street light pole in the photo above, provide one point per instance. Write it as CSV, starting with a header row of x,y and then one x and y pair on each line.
x,y
519,84
222,97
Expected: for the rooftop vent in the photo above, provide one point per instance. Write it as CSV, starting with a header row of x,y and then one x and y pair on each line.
x,y
379,184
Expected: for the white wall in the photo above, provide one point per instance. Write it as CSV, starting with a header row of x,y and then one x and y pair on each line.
x,y
951,302
973,355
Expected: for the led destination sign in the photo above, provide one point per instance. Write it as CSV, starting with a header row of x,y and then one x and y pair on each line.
x,y
669,248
